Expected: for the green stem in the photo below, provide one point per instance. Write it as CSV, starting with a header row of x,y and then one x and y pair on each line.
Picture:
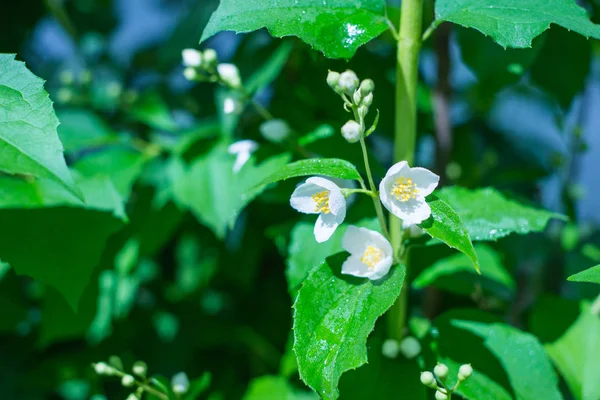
x,y
405,132
348,192
145,386
376,201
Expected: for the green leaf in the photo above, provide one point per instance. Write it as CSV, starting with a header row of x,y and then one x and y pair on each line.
x,y
333,316
82,129
477,387
523,358
515,23
321,132
332,167
52,236
445,225
456,274
215,194
271,69
29,143
198,386
577,356
152,110
488,215
590,275
335,27
275,387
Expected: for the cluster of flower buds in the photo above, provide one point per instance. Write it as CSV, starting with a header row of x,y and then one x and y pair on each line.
x,y
204,66
440,371
358,97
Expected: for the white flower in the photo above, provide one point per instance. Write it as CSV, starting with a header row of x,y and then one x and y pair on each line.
x,y
190,74
371,255
191,58
231,106
242,151
352,131
321,196
230,74
403,192
210,57
348,82
275,130
180,383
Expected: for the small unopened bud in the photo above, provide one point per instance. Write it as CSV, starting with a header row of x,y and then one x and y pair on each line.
x,y
332,79
102,368
190,74
191,58
127,381
390,348
132,396
140,368
352,131
66,77
363,110
440,395
367,87
357,97
428,380
464,372
348,82
180,383
441,371
230,74
410,347
275,130
210,58
367,100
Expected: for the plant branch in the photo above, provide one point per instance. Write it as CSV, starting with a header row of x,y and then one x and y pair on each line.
x,y
376,201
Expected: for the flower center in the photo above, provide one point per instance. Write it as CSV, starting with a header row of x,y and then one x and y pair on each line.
x,y
321,200
404,189
371,256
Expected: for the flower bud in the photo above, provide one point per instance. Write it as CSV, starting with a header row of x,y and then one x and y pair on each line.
x,y
441,371
210,58
440,395
191,58
127,381
348,82
363,111
410,347
180,383
390,348
428,380
367,100
357,98
230,74
275,130
102,368
140,368
332,80
367,87
464,372
190,74
352,131
132,396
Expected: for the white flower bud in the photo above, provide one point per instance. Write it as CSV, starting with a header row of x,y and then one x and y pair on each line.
x,y
132,396
363,111
102,368
190,74
441,371
210,57
191,58
275,130
230,74
180,383
440,395
428,380
390,348
348,82
332,80
127,381
357,97
464,372
367,100
410,347
140,368
352,131
367,87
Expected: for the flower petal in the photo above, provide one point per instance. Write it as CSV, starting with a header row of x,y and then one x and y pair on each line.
x,y
396,168
381,268
240,160
353,266
355,240
325,226
379,241
425,180
301,199
324,183
243,146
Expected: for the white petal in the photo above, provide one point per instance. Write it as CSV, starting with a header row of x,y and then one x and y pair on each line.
x,y
396,168
381,268
384,192
324,183
425,180
353,266
355,240
301,199
381,243
240,160
325,226
337,202
411,212
242,146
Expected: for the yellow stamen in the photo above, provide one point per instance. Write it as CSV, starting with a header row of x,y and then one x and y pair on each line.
x,y
404,189
321,200
371,256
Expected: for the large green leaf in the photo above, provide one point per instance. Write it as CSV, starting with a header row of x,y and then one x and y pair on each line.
x,y
577,356
29,143
515,23
523,358
445,225
332,167
335,27
488,215
52,236
276,388
590,275
216,194
477,387
333,316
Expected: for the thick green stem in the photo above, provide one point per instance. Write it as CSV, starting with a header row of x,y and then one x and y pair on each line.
x,y
405,132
